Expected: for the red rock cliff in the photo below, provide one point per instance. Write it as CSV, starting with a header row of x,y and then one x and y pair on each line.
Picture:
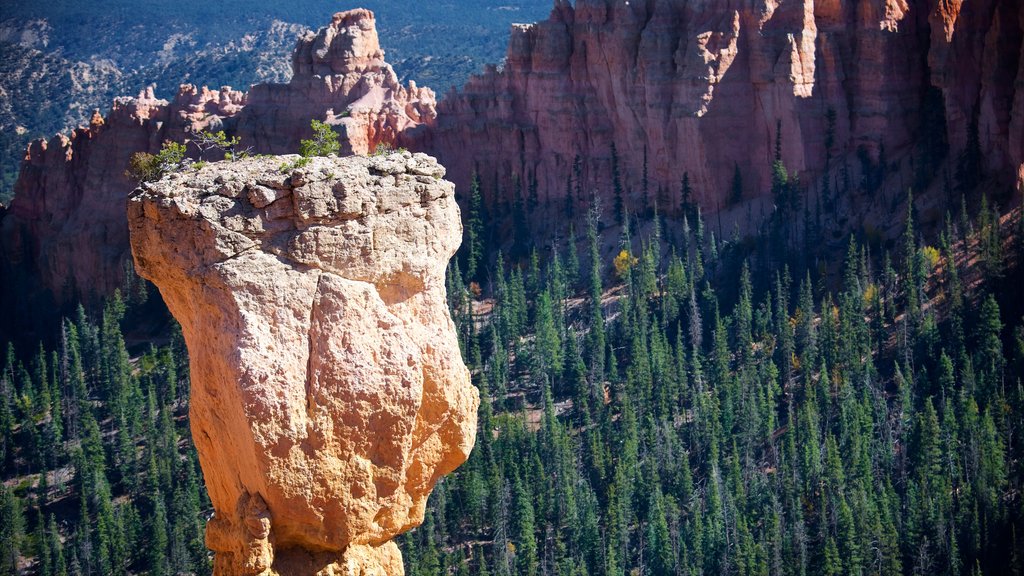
x,y
700,86
692,86
65,231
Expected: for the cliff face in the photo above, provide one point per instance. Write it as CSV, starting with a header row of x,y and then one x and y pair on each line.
x,y
328,391
700,87
66,225
339,69
679,86
66,230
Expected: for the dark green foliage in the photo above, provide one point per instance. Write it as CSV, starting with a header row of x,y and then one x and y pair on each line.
x,y
736,195
617,191
685,197
12,531
145,167
473,245
969,162
716,411
933,145
323,143
753,426
88,407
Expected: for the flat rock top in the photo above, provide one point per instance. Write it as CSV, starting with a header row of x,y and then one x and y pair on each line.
x,y
363,218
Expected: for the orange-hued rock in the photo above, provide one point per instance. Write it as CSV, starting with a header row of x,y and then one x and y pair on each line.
x,y
339,76
693,87
328,390
699,87
66,227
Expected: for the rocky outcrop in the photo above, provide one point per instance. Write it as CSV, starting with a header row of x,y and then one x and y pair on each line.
x,y
65,230
699,88
328,391
66,225
338,75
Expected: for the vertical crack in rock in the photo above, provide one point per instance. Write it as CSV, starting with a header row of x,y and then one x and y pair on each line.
x,y
310,402
313,465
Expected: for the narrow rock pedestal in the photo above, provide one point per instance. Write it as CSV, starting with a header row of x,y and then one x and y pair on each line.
x,y
328,391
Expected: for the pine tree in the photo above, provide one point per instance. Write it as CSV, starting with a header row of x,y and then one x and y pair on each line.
x,y
12,531
547,340
685,196
474,231
620,206
527,559
158,537
736,195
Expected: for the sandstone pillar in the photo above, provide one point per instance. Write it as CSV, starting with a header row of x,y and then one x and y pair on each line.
x,y
328,391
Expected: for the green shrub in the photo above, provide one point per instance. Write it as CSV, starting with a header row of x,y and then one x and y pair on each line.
x,y
289,166
324,141
146,167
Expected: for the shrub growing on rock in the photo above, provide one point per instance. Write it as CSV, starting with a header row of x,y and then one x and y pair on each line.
x,y
323,143
146,167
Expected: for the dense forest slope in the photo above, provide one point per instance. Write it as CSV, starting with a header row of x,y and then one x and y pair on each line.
x,y
671,421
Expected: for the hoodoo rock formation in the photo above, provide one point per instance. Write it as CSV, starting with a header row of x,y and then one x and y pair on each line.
x,y
328,391
699,87
848,92
66,228
338,75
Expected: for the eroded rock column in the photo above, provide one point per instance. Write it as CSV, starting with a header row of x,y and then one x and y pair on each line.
x,y
328,391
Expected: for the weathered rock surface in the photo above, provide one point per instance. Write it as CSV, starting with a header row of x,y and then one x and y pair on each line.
x,y
66,227
698,87
691,86
328,391
337,71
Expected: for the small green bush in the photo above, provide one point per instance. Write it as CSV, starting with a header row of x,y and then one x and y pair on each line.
x,y
289,166
146,167
324,142
206,141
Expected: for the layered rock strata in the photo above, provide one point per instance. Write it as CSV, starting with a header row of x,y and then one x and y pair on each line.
x,y
701,88
681,87
66,230
328,391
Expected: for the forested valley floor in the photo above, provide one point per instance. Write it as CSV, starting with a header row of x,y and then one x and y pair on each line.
x,y
682,405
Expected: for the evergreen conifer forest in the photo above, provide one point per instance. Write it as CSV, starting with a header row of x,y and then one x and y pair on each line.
x,y
660,402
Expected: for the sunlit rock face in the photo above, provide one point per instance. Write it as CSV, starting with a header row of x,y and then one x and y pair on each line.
x,y
328,390
709,88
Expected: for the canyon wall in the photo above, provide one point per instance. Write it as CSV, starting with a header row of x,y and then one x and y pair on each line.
x,y
64,236
700,87
328,391
680,87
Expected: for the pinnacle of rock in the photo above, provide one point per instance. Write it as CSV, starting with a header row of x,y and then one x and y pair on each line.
x,y
328,391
